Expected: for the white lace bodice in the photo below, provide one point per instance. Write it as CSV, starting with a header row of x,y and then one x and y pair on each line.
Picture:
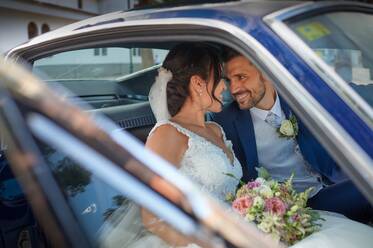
x,y
206,163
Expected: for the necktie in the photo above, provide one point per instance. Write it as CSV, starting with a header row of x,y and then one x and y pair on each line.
x,y
273,120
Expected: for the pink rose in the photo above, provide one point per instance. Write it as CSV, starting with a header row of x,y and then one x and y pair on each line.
x,y
253,184
275,205
242,204
295,217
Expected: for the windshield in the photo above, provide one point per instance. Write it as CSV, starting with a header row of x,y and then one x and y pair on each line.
x,y
344,40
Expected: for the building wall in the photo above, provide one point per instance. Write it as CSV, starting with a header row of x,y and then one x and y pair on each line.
x,y
87,5
13,28
107,6
15,15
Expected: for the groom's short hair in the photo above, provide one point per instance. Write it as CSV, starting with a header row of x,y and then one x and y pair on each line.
x,y
229,53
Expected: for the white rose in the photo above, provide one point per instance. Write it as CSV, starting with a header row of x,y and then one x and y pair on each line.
x,y
258,202
287,128
250,217
266,191
260,180
265,227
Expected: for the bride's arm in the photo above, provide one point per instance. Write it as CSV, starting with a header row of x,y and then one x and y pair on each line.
x,y
170,144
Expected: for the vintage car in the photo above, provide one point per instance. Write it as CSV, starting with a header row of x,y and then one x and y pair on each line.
x,y
318,55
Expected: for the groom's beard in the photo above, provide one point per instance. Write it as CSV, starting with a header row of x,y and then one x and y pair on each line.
x,y
254,95
251,100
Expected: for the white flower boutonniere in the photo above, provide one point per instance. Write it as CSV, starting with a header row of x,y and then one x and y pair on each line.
x,y
288,128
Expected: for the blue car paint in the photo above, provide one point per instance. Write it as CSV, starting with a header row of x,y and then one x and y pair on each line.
x,y
254,26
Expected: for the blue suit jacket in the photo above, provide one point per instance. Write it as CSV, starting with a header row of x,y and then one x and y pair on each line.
x,y
239,128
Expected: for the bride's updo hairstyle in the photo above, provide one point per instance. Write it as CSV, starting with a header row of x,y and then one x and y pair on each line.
x,y
185,60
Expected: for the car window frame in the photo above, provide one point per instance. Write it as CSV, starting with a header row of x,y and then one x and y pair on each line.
x,y
277,22
336,140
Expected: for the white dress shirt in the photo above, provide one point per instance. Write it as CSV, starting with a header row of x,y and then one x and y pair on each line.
x,y
279,155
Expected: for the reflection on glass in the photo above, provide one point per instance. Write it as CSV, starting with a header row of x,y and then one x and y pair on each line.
x,y
71,178
108,218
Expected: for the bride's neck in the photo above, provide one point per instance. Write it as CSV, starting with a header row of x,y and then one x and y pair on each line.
x,y
191,115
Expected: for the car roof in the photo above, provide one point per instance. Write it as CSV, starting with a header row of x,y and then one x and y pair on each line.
x,y
221,11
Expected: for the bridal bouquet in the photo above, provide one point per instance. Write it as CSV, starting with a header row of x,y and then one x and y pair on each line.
x,y
276,208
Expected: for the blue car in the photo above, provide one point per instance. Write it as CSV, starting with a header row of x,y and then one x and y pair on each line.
x,y
318,55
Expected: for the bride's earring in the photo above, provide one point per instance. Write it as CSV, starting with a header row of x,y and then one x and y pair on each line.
x,y
200,92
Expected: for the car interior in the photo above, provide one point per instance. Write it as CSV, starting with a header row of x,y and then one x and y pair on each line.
x,y
124,98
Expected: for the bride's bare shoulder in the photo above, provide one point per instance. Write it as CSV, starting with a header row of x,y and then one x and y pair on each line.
x,y
168,142
167,132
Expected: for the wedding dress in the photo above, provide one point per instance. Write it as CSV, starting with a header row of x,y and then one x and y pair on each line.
x,y
206,164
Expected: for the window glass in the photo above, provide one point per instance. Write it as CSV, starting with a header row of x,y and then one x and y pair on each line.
x,y
344,40
108,218
32,30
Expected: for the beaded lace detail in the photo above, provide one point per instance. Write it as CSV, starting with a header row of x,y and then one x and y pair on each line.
x,y
206,163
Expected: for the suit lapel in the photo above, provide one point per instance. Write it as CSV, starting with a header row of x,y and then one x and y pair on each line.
x,y
285,107
245,131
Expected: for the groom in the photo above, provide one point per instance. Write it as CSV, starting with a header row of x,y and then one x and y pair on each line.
x,y
252,123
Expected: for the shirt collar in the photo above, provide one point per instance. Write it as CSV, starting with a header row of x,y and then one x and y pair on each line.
x,y
262,114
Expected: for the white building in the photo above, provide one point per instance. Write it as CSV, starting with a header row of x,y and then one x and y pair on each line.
x,y
22,20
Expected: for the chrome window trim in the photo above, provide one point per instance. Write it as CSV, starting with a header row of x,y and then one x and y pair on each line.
x,y
336,140
276,22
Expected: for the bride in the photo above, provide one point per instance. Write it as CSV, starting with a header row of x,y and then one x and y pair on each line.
x,y
189,85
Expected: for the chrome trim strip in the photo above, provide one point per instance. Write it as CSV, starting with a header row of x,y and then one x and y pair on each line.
x,y
350,96
347,153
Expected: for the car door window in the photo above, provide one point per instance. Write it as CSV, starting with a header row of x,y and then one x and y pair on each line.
x,y
344,40
108,218
103,76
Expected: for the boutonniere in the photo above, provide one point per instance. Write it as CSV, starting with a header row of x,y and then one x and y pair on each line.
x,y
288,128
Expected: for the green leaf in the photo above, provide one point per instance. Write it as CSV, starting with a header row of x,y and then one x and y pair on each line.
x,y
233,176
263,173
294,122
